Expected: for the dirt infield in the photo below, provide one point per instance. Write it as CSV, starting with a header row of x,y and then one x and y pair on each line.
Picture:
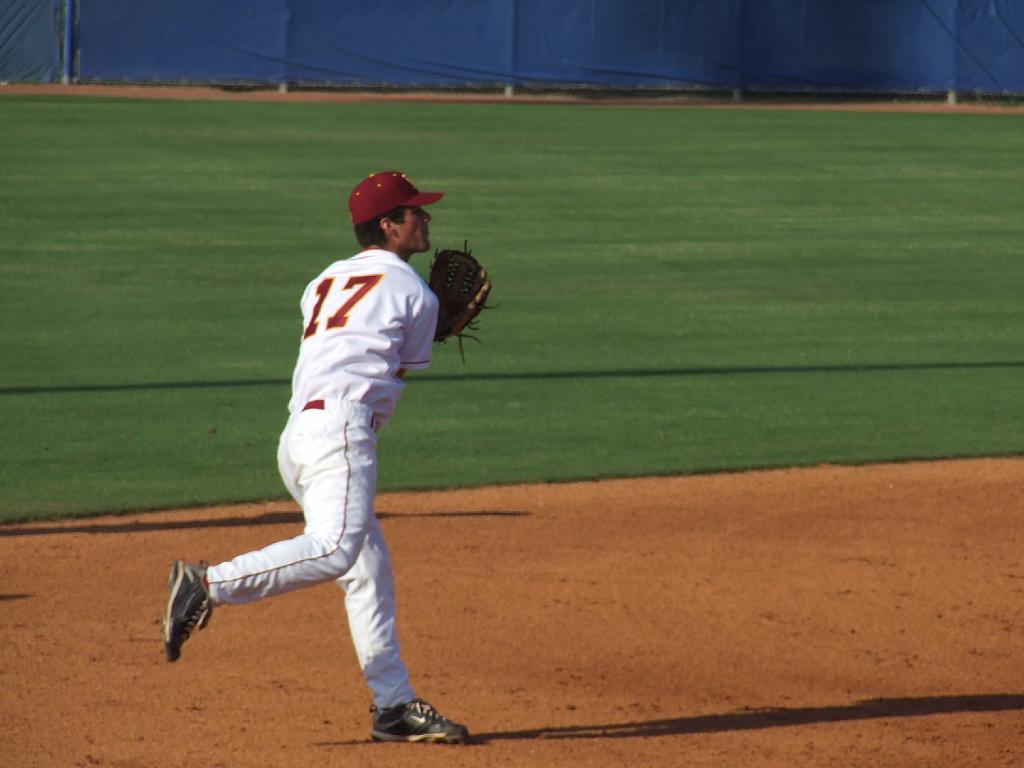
x,y
829,616
205,93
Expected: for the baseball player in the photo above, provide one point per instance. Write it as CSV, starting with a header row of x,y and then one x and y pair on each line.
x,y
365,321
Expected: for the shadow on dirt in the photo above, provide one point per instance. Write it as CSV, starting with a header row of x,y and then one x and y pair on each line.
x,y
757,719
267,518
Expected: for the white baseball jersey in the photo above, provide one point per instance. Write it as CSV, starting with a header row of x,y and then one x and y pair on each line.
x,y
363,319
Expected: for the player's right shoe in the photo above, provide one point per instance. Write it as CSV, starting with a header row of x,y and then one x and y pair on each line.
x,y
415,720
188,606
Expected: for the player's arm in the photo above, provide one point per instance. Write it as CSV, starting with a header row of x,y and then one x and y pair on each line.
x,y
418,328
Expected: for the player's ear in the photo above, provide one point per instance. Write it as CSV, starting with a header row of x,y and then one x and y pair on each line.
x,y
388,226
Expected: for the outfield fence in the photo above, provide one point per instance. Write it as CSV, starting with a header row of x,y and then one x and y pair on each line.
x,y
876,46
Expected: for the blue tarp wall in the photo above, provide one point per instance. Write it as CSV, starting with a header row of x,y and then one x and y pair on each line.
x,y
850,45
30,40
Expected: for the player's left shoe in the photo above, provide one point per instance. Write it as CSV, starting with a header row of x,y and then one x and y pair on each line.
x,y
416,720
188,606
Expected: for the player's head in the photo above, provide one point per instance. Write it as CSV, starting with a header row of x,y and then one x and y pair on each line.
x,y
381,201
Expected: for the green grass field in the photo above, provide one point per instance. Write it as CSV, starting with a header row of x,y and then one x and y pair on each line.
x,y
680,290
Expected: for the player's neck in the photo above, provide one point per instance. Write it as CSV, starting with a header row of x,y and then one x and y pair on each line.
x,y
400,254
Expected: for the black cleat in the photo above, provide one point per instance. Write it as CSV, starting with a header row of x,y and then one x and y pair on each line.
x,y
188,606
415,720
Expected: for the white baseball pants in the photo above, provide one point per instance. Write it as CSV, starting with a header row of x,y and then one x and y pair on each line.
x,y
328,460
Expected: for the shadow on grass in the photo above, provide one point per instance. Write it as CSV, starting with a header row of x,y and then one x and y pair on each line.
x,y
625,373
755,719
267,518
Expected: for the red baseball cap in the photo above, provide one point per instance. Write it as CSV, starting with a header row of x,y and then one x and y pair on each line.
x,y
380,192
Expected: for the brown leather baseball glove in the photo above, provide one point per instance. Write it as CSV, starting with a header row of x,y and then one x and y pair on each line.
x,y
462,287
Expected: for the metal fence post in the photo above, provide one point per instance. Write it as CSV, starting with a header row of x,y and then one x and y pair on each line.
x,y
69,42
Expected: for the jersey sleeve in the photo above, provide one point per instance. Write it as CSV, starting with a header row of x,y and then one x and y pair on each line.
x,y
419,337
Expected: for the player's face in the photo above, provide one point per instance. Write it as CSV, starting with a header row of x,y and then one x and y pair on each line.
x,y
412,234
